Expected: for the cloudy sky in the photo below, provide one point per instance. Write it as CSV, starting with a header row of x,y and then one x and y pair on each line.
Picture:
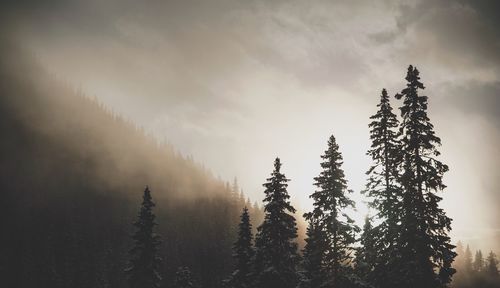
x,y
237,83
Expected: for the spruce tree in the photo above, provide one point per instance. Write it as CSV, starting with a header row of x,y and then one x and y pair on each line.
x,y
313,273
276,249
243,254
384,191
424,241
331,199
143,271
492,264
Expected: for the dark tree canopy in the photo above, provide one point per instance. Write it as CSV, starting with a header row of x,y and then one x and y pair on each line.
x,y
367,253
424,242
492,264
384,191
313,272
331,200
243,254
276,249
145,261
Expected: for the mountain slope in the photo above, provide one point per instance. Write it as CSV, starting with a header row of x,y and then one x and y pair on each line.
x,y
71,180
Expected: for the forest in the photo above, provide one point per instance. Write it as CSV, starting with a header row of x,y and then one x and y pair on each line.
x,y
91,200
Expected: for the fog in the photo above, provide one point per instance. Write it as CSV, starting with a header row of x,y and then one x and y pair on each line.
x,y
237,83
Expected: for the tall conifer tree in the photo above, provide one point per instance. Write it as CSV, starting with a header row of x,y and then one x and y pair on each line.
x,y
276,249
331,200
384,190
424,241
143,271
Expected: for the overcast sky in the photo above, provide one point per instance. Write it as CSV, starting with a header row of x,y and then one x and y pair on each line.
x,y
237,83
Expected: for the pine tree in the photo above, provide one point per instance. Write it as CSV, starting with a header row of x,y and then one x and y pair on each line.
x,y
492,264
184,278
424,241
143,271
276,249
313,273
330,202
366,254
383,188
478,263
243,254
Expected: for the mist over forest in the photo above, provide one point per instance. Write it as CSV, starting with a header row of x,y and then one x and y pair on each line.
x,y
72,176
247,144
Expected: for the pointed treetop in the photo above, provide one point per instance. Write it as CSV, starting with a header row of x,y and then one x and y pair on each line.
x,y
277,164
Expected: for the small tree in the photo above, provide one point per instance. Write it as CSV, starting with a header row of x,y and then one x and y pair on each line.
x,y
478,261
313,273
492,264
366,256
145,262
243,253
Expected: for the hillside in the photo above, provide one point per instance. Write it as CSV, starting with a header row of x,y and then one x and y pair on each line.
x,y
71,180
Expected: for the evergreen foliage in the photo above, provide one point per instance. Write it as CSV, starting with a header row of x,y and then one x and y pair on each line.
x,y
313,273
478,264
243,254
145,262
481,272
276,250
331,200
384,190
492,264
424,241
367,253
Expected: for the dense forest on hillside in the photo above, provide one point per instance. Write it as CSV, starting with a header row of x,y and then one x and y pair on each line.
x,y
72,175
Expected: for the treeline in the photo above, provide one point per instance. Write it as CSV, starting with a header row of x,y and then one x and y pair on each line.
x,y
475,270
405,244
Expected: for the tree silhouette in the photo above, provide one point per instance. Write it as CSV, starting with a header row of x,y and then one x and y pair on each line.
x,y
492,264
313,272
243,253
478,263
424,241
330,202
145,262
384,190
367,253
276,251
